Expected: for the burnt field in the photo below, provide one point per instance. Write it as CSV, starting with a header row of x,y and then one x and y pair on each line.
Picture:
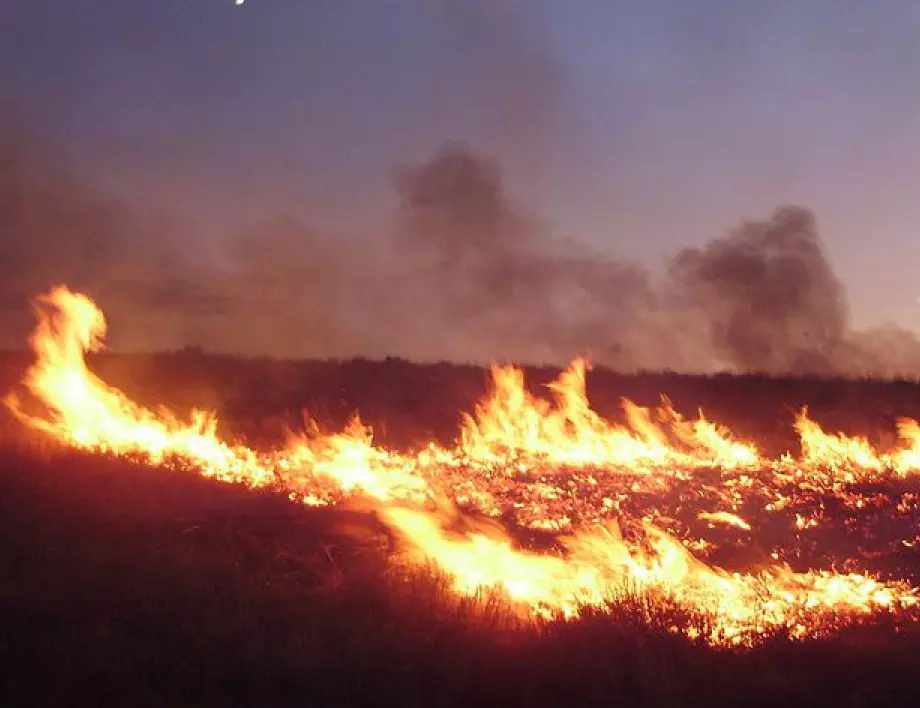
x,y
125,584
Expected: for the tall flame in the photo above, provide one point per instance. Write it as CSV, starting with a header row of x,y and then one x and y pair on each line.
x,y
514,422
83,411
550,464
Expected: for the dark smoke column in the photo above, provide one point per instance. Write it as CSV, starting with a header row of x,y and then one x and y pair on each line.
x,y
771,299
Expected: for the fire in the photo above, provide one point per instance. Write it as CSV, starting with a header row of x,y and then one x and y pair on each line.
x,y
83,411
837,452
513,423
556,465
600,567
349,462
854,456
725,517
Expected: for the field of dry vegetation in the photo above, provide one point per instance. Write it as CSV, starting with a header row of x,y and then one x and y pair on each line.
x,y
121,584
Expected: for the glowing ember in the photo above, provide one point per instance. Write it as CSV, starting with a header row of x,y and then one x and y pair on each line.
x,y
553,465
725,517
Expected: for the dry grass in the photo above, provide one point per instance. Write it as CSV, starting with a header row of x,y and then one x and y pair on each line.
x,y
122,585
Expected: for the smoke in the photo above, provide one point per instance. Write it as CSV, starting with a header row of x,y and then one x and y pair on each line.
x,y
271,289
884,351
53,228
772,300
485,281
496,74
464,273
490,280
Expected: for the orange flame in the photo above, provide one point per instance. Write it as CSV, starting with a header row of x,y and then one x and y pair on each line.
x,y
514,423
83,411
600,566
834,451
569,455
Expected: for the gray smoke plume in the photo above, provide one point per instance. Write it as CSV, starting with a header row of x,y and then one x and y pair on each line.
x,y
465,274
271,291
491,280
490,283
53,228
772,301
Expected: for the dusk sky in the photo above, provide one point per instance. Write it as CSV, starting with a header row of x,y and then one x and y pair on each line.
x,y
638,127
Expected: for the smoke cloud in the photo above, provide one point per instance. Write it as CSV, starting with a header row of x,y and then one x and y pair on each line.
x,y
490,280
53,228
772,300
158,291
463,273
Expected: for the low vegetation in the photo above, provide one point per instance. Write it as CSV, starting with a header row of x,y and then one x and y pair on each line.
x,y
125,585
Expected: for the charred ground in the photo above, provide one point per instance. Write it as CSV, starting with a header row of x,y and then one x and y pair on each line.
x,y
126,585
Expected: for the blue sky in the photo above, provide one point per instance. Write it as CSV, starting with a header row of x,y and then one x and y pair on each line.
x,y
638,127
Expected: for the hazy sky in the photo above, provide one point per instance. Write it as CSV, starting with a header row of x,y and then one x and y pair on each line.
x,y
639,127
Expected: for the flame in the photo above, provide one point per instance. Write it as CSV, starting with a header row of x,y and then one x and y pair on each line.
x,y
855,456
724,517
834,451
907,459
600,566
549,464
348,461
86,413
511,422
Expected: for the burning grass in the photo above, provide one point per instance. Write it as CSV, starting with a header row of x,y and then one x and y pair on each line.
x,y
129,585
559,455
542,522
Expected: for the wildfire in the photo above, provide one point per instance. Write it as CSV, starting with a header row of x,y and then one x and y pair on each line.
x,y
512,423
725,517
616,490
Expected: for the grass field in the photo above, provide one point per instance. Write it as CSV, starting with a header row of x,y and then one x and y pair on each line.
x,y
125,585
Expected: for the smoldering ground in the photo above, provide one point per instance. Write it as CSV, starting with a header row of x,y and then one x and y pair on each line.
x,y
461,273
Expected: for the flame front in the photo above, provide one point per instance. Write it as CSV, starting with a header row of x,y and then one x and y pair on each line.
x,y
555,465
512,422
